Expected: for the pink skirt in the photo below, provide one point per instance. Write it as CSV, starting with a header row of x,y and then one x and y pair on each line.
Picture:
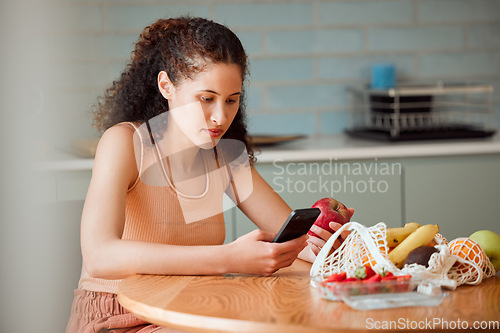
x,y
98,312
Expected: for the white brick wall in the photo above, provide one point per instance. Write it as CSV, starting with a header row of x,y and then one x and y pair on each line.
x,y
303,53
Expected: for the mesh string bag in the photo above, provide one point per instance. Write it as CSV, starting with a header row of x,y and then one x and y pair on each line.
x,y
472,264
363,245
459,262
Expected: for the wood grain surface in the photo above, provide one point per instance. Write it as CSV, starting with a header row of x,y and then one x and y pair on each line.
x,y
286,302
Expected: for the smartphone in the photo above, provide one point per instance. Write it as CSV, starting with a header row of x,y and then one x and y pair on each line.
x,y
297,224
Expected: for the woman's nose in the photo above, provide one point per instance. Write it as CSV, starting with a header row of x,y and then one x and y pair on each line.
x,y
218,116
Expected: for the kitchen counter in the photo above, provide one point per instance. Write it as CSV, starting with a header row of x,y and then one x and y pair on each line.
x,y
343,147
327,147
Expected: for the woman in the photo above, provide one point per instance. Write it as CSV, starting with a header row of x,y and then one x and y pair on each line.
x,y
159,158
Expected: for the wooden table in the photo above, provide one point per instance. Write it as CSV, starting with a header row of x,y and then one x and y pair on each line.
x,y
285,302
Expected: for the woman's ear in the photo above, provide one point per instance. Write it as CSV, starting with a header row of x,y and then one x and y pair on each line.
x,y
165,86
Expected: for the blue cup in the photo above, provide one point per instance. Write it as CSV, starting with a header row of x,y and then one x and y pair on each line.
x,y
383,76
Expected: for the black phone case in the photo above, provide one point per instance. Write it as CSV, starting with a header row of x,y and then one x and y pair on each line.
x,y
297,224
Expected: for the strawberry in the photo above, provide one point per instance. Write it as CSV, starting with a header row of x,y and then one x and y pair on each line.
x,y
373,279
336,277
389,287
350,279
364,272
386,273
372,283
403,282
387,276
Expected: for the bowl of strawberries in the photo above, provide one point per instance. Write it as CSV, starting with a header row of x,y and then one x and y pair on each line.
x,y
366,289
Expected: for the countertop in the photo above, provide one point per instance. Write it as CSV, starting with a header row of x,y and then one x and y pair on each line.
x,y
343,147
325,147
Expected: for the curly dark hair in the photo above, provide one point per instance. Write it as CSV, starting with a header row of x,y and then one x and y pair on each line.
x,y
172,45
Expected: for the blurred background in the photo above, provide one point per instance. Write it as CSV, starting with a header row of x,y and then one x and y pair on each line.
x,y
303,54
58,56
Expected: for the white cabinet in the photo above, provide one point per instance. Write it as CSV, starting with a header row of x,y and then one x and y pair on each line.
x,y
461,194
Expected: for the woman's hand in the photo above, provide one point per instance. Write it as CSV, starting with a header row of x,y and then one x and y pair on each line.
x,y
316,243
254,253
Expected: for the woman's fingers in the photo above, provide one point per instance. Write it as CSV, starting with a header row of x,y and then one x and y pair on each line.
x,y
284,254
351,210
294,246
319,243
314,248
322,233
316,244
316,241
325,234
336,226
258,255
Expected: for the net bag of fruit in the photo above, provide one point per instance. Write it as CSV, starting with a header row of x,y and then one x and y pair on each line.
x,y
459,262
364,245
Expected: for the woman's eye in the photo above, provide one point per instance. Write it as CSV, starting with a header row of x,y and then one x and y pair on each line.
x,y
206,99
231,101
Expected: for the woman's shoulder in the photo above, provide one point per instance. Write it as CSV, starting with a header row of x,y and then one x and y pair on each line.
x,y
123,128
121,133
118,135
115,150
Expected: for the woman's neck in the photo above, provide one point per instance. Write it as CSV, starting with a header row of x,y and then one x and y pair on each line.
x,y
183,154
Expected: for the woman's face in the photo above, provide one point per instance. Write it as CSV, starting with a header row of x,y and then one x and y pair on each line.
x,y
204,107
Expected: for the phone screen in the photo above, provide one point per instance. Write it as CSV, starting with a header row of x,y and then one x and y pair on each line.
x,y
297,224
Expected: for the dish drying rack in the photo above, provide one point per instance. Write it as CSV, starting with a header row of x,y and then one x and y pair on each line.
x,y
422,111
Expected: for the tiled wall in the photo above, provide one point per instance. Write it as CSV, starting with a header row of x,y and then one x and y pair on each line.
x,y
303,53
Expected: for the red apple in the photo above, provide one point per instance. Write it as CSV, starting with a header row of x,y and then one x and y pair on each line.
x,y
331,211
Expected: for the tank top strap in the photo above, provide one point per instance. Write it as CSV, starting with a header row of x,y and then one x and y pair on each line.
x,y
138,148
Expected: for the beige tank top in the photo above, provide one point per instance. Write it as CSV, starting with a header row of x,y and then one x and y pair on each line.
x,y
157,212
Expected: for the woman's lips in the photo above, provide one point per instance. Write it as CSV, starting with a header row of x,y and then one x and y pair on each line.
x,y
214,132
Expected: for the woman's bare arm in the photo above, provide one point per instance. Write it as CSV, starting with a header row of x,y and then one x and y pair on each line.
x,y
269,211
107,255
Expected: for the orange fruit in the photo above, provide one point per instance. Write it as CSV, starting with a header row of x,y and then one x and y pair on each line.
x,y
367,258
468,249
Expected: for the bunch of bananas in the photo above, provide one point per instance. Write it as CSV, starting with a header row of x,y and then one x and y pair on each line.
x,y
405,239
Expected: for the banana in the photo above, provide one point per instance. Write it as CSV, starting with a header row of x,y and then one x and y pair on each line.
x,y
397,235
421,236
